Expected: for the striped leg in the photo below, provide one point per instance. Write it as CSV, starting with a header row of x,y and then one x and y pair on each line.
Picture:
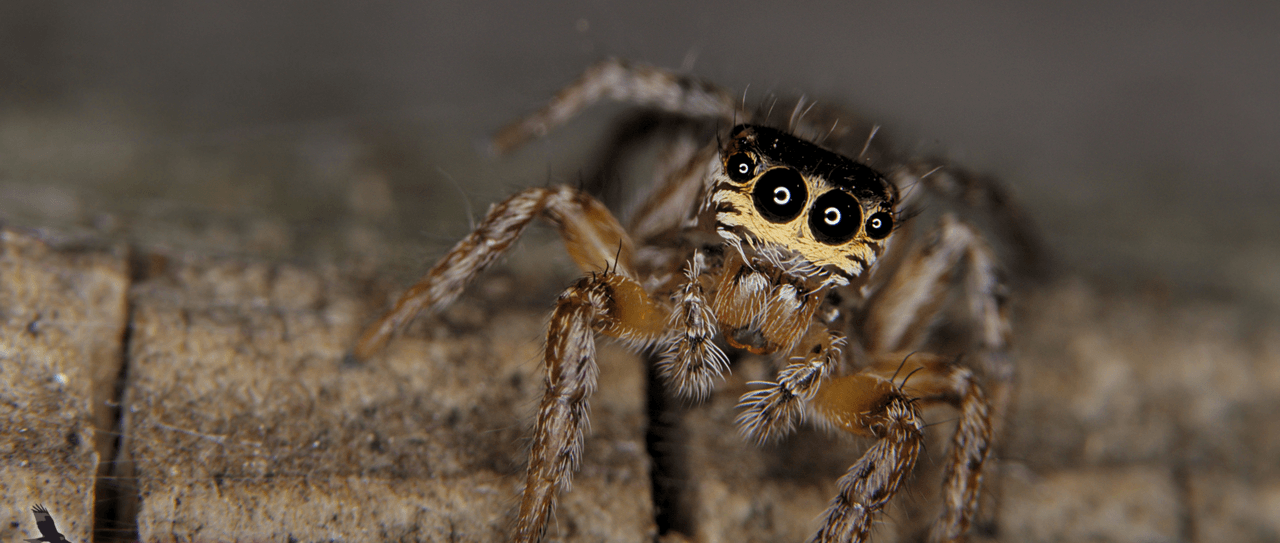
x,y
593,237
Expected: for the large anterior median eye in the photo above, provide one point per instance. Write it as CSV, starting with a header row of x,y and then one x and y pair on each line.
x,y
780,194
835,217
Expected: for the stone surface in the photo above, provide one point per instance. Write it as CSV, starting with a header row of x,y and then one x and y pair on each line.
x,y
1141,416
244,422
1132,404
1227,507
1141,378
1125,504
62,319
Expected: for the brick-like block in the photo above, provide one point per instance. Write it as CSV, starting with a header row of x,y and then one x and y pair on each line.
x,y
244,422
62,319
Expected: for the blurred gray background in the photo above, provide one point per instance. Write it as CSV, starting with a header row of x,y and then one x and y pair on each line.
x,y
1143,139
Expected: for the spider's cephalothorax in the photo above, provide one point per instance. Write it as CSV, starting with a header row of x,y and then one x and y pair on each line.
x,y
777,192
803,219
798,222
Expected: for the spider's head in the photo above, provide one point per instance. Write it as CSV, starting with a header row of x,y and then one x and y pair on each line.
x,y
778,193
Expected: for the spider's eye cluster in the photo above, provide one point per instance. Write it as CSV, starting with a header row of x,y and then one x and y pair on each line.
x,y
781,190
780,195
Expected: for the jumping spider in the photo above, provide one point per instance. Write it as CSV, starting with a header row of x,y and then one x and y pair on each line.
x,y
877,293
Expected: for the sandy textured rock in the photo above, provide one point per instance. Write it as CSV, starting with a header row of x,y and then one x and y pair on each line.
x,y
62,320
1226,507
1124,504
1131,404
244,421
1139,377
1141,416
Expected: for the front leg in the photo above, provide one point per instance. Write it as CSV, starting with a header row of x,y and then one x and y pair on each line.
x,y
870,406
607,303
931,380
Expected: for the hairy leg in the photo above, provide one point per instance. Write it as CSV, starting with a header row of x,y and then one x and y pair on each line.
x,y
624,82
608,303
771,412
924,276
871,406
593,237
681,182
932,379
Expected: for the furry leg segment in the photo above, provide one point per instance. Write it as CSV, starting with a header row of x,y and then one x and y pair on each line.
x,y
593,237
691,362
969,447
933,379
771,412
870,406
624,82
607,303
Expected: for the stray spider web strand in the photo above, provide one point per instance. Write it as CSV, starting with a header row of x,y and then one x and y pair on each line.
x,y
867,145
471,216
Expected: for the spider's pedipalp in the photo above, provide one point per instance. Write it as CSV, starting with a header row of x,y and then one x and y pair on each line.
x,y
690,360
770,413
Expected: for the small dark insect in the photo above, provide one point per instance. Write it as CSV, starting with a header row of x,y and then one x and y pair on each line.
x,y
769,237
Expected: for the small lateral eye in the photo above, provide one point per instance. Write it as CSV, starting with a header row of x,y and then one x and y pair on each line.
x,y
835,217
879,225
740,167
780,195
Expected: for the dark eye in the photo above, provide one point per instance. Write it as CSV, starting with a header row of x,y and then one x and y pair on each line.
x,y
879,225
835,217
740,167
780,194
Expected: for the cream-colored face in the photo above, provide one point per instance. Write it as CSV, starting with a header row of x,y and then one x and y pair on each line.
x,y
775,190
